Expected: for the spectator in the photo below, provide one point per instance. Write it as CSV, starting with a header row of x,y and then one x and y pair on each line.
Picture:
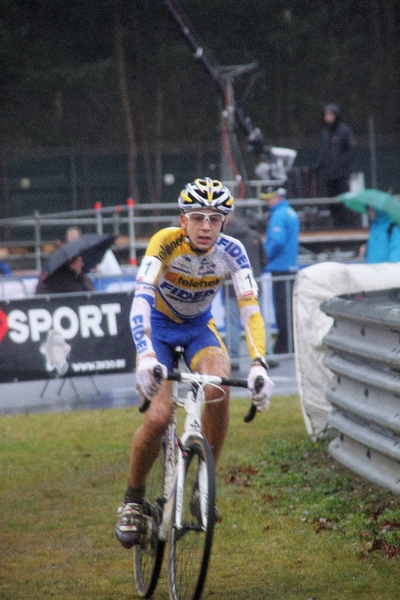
x,y
384,238
73,233
68,278
108,265
251,240
282,247
335,161
5,268
394,244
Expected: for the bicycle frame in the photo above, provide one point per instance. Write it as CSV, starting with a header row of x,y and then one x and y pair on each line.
x,y
174,468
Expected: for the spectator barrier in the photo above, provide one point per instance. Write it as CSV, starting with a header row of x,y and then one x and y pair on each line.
x,y
365,394
69,335
314,285
71,338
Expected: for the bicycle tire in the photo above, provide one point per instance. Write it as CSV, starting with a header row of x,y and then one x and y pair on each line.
x,y
148,555
190,546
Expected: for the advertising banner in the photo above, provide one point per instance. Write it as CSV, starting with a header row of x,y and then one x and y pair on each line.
x,y
69,335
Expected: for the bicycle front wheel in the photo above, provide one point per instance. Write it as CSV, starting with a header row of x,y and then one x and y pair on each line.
x,y
192,532
148,555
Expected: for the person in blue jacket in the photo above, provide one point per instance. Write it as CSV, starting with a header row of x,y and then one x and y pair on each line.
x,y
5,269
384,238
394,243
282,248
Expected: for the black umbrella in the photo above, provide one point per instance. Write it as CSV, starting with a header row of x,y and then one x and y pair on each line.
x,y
91,246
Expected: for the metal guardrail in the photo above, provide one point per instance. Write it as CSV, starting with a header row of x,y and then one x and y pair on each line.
x,y
116,217
126,220
266,306
122,220
365,344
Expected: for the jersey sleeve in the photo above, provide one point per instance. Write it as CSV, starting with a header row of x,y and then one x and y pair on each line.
x,y
145,292
246,290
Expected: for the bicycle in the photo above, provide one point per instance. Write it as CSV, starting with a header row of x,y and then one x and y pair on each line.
x,y
180,494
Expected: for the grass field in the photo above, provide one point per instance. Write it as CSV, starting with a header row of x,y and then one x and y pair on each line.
x,y
296,524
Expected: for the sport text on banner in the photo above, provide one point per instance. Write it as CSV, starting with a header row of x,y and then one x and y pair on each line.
x,y
70,335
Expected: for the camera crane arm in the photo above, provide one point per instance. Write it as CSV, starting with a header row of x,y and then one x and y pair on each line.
x,y
222,77
233,114
213,69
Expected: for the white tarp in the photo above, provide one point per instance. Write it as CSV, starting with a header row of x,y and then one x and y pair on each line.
x,y
313,285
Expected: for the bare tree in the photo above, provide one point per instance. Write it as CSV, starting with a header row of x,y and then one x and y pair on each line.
x,y
126,106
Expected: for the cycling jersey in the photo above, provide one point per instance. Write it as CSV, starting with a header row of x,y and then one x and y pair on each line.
x,y
179,284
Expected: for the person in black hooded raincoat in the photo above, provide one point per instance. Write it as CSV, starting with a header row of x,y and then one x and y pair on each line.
x,y
335,161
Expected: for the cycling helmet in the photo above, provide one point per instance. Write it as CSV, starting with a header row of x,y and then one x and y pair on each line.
x,y
206,193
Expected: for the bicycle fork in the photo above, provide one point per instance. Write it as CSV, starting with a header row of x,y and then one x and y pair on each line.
x,y
193,404
169,477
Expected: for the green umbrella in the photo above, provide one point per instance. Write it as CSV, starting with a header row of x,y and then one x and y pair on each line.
x,y
359,201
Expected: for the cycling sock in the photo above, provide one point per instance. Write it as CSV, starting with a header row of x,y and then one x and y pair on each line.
x,y
135,494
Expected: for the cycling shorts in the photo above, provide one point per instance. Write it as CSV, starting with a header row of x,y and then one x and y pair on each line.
x,y
195,336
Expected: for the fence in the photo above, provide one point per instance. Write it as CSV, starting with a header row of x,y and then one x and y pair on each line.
x,y
36,245
15,288
28,241
365,344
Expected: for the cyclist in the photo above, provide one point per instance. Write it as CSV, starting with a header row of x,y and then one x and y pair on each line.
x,y
180,275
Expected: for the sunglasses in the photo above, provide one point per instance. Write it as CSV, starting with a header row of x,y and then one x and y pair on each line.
x,y
198,218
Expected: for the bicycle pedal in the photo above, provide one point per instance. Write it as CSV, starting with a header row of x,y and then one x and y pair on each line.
x,y
185,451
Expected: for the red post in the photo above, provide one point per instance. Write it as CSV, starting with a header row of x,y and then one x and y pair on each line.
x,y
97,208
131,222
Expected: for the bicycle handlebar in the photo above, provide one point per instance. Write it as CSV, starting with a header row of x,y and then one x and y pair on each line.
x,y
189,378
259,382
193,377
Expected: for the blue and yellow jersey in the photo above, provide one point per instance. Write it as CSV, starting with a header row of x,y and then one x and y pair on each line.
x,y
180,283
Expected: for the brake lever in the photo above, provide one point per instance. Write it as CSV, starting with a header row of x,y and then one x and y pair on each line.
x,y
157,372
258,384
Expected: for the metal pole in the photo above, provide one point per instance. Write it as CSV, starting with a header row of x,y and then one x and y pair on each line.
x,y
116,216
6,195
288,292
38,256
372,151
74,185
131,224
99,222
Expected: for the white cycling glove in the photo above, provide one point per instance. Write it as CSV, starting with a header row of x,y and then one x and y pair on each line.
x,y
146,383
261,399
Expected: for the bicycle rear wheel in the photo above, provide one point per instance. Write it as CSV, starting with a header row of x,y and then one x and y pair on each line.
x,y
190,543
148,556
